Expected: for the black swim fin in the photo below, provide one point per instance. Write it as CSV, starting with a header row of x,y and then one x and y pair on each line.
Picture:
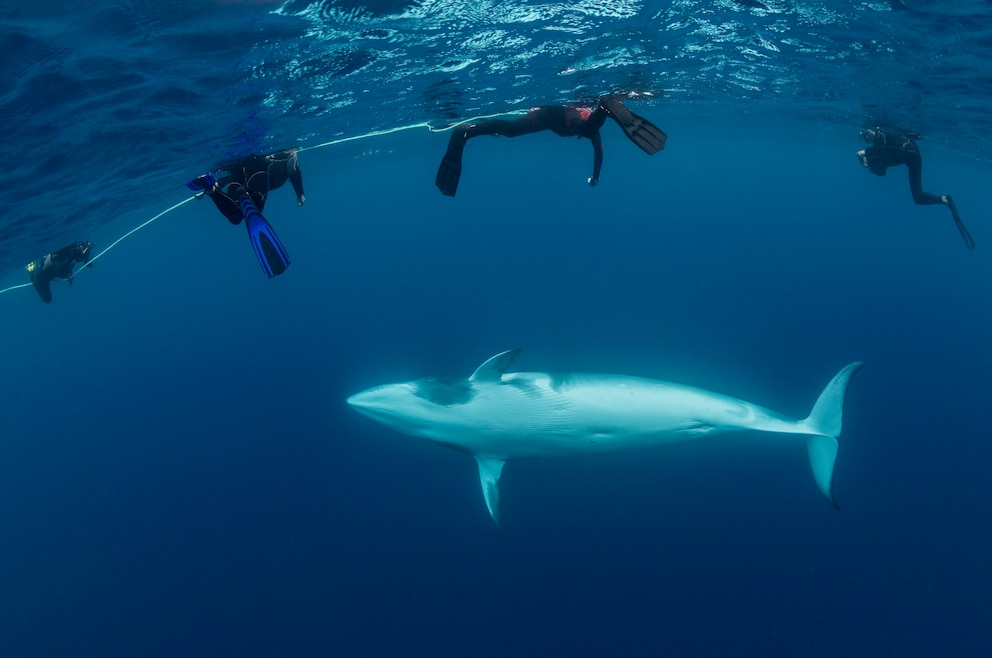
x,y
449,173
271,254
41,283
965,233
648,137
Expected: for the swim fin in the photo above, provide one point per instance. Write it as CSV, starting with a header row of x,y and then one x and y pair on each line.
x,y
271,254
41,283
965,233
647,136
450,171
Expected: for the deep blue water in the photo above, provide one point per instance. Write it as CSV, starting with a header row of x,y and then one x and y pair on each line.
x,y
180,475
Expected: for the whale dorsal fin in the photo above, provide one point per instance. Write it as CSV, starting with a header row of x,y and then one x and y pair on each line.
x,y
492,370
490,469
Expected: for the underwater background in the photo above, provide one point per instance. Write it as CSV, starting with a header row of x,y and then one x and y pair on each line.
x,y
180,474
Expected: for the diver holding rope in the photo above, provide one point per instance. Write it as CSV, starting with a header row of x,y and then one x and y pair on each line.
x,y
58,265
240,192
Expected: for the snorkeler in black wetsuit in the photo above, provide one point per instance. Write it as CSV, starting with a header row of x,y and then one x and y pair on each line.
x,y
58,265
240,193
891,150
565,121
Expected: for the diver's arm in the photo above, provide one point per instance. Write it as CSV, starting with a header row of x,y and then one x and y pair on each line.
x,y
295,176
296,179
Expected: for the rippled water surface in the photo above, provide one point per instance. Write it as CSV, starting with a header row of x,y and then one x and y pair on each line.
x,y
112,105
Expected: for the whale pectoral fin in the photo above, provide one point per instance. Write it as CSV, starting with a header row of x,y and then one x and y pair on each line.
x,y
489,471
492,370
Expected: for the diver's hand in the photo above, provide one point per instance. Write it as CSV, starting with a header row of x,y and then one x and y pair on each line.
x,y
593,182
300,200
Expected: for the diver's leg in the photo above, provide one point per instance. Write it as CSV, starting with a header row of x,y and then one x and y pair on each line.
x,y
914,163
257,179
534,121
450,170
226,204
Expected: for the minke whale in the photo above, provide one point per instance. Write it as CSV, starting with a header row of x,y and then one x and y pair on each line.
x,y
496,416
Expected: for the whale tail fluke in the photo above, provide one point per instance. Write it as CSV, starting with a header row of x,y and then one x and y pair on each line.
x,y
824,423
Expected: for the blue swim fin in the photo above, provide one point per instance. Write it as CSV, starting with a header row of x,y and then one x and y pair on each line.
x,y
271,254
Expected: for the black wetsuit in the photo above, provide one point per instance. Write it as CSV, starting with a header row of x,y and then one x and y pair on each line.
x,y
256,175
57,265
892,150
564,121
